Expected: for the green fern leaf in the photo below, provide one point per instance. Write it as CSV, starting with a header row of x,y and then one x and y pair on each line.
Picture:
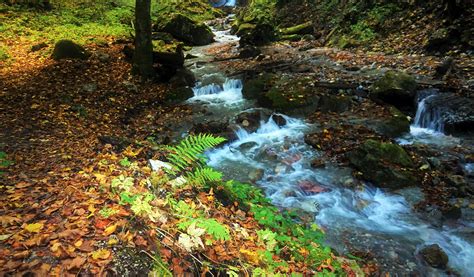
x,y
189,152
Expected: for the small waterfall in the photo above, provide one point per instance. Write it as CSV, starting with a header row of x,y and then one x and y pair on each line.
x,y
428,117
224,3
230,93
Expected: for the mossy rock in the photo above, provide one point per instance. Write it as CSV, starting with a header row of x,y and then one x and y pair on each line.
x,y
290,96
184,28
67,49
334,103
396,88
394,126
178,94
256,33
386,165
256,87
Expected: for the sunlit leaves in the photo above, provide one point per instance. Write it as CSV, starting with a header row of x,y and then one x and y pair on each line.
x,y
34,227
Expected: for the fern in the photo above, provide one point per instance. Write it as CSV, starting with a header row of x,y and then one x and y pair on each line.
x,y
212,227
189,151
201,176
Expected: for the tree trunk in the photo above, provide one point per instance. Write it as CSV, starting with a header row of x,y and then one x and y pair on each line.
x,y
143,56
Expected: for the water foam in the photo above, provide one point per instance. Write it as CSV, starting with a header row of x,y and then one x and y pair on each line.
x,y
230,93
368,208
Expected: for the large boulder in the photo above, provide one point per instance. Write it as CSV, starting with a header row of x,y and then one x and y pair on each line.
x,y
255,33
253,88
67,49
176,95
393,126
386,165
438,40
396,88
334,103
435,256
289,97
185,29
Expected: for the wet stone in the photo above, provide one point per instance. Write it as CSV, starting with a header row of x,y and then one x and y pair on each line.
x,y
434,256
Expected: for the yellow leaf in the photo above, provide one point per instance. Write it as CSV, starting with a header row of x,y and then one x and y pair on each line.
x,y
112,241
101,254
109,230
34,227
101,178
251,256
55,247
78,243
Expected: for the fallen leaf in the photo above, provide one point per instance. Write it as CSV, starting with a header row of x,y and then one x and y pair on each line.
x,y
5,237
78,243
101,254
109,230
34,227
77,262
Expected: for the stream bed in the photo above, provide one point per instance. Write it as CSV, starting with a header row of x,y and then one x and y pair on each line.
x,y
362,219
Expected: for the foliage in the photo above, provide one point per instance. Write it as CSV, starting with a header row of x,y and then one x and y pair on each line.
x,y
190,151
362,31
4,162
210,225
201,176
80,22
107,212
122,183
4,53
197,10
125,162
260,11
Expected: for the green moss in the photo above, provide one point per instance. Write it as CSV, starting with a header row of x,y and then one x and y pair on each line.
x,y
389,151
79,22
301,29
197,10
394,81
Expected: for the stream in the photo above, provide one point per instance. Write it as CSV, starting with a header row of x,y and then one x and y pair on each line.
x,y
276,158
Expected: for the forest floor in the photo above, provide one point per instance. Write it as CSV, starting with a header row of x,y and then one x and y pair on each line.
x,y
71,127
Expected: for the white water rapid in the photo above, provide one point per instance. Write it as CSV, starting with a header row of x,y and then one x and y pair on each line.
x,y
365,217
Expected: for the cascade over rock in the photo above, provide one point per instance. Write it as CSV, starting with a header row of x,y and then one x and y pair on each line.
x,y
446,112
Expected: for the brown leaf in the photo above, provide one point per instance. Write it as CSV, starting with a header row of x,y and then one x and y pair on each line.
x,y
21,255
77,262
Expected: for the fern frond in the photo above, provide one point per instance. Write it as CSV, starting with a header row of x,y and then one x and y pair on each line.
x,y
190,150
201,176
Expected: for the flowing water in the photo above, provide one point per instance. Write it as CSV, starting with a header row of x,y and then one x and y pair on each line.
x,y
428,127
362,218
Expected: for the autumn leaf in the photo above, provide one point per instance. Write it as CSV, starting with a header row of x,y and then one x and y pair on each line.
x,y
77,262
34,227
5,237
101,254
110,230
251,256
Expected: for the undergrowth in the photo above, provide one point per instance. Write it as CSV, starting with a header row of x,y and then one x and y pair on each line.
x,y
84,23
184,199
